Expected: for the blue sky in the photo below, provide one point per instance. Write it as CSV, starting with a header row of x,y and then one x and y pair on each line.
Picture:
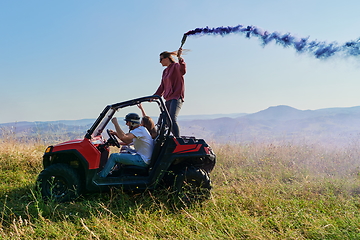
x,y
66,60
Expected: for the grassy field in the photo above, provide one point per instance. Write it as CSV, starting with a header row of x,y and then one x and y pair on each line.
x,y
260,192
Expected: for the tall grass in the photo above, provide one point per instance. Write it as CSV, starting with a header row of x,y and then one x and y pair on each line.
x,y
261,191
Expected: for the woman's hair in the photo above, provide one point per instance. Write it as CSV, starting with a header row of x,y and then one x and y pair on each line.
x,y
169,55
150,125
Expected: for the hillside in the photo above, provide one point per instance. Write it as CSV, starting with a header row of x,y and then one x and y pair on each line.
x,y
339,126
282,123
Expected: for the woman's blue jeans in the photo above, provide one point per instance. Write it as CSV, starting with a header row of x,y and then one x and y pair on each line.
x,y
173,106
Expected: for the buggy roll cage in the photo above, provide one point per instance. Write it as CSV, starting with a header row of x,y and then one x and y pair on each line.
x,y
106,115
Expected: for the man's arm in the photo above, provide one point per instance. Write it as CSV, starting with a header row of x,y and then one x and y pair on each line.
x,y
126,138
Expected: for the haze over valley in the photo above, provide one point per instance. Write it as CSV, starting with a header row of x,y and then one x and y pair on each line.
x,y
330,126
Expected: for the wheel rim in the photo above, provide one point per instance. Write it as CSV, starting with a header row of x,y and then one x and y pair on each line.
x,y
192,187
57,186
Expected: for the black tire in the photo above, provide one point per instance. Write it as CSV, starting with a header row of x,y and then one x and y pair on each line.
x,y
192,184
209,164
59,182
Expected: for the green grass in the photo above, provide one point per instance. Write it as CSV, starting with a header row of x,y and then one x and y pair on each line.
x,y
260,192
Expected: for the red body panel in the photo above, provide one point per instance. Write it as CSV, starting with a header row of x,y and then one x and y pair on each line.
x,y
84,147
186,148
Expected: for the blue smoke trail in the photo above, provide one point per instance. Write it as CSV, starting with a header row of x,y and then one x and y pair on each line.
x,y
320,50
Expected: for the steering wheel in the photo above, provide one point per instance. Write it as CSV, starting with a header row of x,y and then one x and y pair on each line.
x,y
113,139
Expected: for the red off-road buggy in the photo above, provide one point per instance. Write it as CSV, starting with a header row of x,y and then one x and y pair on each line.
x,y
181,164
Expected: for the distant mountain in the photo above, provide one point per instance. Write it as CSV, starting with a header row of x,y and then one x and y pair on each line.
x,y
209,116
281,112
24,125
45,131
333,126
330,126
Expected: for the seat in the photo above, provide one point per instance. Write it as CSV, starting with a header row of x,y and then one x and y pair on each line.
x,y
158,143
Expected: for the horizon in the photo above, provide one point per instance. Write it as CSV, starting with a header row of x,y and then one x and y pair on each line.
x,y
189,117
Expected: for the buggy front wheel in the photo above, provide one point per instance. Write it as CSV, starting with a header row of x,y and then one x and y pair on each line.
x,y
59,182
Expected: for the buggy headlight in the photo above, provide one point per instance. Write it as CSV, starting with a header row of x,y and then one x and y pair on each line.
x,y
48,149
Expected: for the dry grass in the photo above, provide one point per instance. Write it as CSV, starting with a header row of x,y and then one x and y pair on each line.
x,y
261,191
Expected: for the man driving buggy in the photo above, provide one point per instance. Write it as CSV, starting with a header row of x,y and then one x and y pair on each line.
x,y
139,136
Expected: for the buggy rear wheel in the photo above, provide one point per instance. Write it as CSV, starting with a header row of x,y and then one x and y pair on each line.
x,y
59,182
192,184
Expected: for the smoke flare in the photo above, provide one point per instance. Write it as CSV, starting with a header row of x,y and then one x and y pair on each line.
x,y
319,49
